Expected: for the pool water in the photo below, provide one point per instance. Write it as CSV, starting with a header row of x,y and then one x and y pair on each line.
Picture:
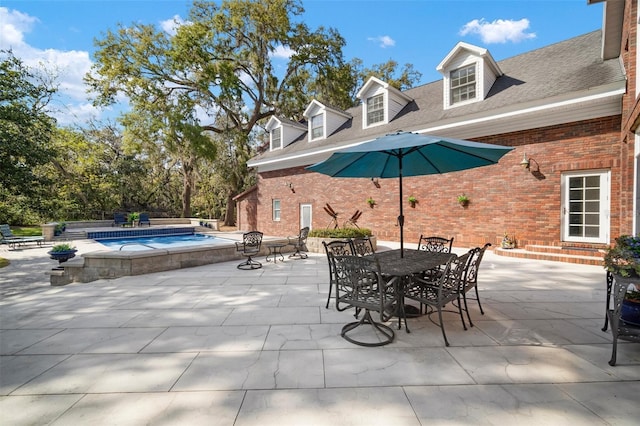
x,y
161,241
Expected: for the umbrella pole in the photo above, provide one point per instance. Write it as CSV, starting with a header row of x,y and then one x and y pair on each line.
x,y
401,216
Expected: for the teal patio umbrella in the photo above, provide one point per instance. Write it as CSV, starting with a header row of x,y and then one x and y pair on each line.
x,y
408,154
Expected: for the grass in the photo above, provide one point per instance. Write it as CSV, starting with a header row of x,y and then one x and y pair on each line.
x,y
3,262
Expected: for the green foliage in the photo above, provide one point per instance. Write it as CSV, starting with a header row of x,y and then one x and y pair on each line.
x,y
4,262
623,258
463,198
62,247
340,233
25,129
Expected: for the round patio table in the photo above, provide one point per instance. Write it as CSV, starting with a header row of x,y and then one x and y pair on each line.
x,y
275,249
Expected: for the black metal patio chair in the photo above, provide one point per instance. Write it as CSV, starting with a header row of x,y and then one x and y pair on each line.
x,y
470,280
361,285
336,248
249,247
436,295
299,243
620,329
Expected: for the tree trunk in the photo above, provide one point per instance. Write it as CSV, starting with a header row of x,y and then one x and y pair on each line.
x,y
230,216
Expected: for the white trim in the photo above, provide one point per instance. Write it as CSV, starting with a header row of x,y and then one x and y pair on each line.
x,y
530,110
636,185
604,214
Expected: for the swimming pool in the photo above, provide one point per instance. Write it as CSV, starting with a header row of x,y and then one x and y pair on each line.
x,y
162,242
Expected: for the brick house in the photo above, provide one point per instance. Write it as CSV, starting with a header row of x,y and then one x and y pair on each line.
x,y
570,111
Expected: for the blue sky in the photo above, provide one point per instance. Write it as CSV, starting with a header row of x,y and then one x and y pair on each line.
x,y
60,33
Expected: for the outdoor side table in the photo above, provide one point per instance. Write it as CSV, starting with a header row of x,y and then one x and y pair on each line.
x,y
275,249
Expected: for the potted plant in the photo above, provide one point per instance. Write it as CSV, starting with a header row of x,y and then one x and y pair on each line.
x,y
508,242
133,218
62,252
371,202
60,228
623,261
413,201
463,200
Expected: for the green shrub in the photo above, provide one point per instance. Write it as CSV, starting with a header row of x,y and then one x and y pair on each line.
x,y
62,247
340,233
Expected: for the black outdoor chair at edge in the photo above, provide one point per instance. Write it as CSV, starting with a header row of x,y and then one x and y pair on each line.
x,y
619,328
299,243
361,285
437,245
249,247
336,248
470,279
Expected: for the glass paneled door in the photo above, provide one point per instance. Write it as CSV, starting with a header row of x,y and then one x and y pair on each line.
x,y
305,215
585,207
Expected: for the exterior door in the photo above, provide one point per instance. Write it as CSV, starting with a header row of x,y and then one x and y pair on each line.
x,y
585,207
305,215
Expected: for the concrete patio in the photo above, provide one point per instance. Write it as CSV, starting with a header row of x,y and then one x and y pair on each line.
x,y
213,345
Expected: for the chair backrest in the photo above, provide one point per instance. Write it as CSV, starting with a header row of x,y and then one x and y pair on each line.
x,y
471,274
119,218
304,234
362,246
435,244
359,283
450,282
143,217
251,241
6,231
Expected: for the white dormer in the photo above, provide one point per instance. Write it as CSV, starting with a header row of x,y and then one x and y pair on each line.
x,y
381,102
469,72
323,120
282,132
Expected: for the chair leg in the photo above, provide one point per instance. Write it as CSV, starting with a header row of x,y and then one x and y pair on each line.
x,y
250,264
612,361
329,297
378,327
460,311
446,342
466,308
478,299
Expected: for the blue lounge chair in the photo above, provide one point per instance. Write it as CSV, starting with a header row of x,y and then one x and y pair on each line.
x,y
144,218
7,237
119,219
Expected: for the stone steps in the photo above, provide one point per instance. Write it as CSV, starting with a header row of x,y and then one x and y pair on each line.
x,y
571,254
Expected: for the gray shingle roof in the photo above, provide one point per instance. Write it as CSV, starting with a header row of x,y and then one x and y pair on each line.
x,y
567,67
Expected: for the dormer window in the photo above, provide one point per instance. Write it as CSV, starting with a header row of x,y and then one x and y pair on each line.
x,y
317,126
375,109
463,84
276,138
469,72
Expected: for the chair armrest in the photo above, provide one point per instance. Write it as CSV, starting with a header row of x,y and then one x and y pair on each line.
x,y
239,246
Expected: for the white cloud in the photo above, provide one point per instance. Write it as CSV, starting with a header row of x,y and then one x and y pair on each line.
x,y
385,41
170,26
282,52
498,31
13,25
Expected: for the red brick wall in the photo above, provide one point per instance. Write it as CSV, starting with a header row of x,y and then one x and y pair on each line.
x,y
504,197
630,120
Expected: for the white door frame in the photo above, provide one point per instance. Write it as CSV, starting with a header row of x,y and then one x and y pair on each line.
x,y
604,213
303,222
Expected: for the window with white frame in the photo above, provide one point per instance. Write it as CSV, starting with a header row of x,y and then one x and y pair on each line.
x,y
317,126
463,84
375,109
276,210
276,138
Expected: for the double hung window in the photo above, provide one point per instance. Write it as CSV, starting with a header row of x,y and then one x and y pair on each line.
x,y
375,109
463,84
